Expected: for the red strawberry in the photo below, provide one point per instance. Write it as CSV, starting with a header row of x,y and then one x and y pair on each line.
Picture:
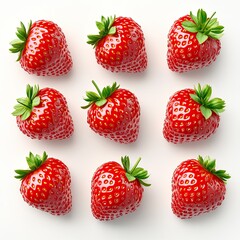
x,y
114,113
44,114
197,187
191,115
42,49
193,42
120,45
46,185
116,190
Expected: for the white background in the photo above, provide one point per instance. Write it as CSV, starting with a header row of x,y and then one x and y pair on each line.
x,y
85,151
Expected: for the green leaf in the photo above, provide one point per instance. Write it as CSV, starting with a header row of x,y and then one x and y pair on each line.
x,y
206,93
202,96
112,30
26,115
92,96
204,26
195,98
34,162
140,173
201,37
126,163
30,161
21,32
144,183
207,113
36,101
194,18
21,37
19,110
101,98
136,173
16,42
21,173
24,101
101,102
22,28
13,50
190,26
218,111
26,104
201,16
213,23
100,26
105,28
217,29
18,45
130,177
215,35
216,103
209,164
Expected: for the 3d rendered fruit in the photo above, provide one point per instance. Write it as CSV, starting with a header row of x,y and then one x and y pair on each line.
x,y
42,49
46,185
197,187
43,114
114,113
194,42
119,45
117,189
192,115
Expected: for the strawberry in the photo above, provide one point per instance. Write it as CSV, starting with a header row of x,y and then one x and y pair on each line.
x,y
120,45
114,113
197,187
117,190
42,49
43,114
193,42
191,115
46,185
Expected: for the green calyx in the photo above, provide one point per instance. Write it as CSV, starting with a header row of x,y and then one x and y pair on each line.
x,y
202,96
105,28
101,98
34,162
135,172
204,27
19,44
210,164
25,105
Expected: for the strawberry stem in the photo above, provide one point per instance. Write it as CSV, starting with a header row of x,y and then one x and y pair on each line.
x,y
25,105
204,27
96,86
135,165
18,44
136,172
99,99
208,21
34,162
105,28
210,164
202,96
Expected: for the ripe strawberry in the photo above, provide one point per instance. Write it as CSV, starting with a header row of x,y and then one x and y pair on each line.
x,y
116,190
44,114
114,113
46,185
197,187
120,45
42,49
193,42
191,115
